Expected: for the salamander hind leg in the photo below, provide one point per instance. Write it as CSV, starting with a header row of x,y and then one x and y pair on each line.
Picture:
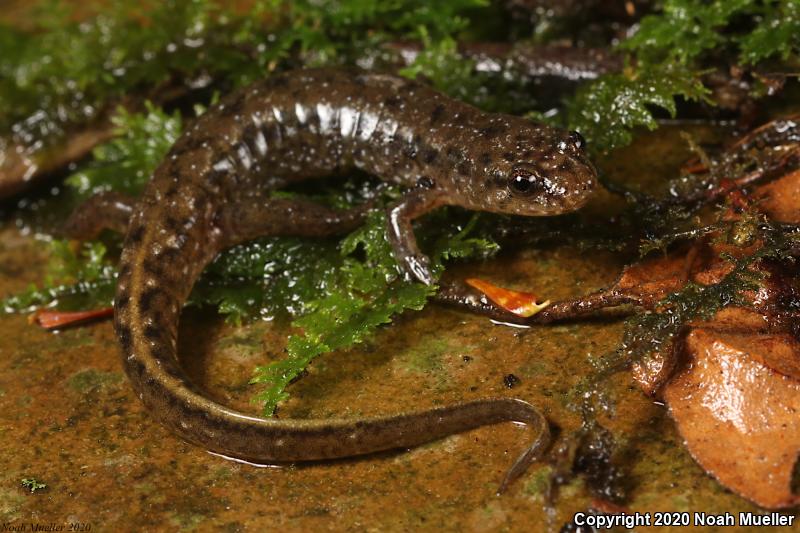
x,y
105,210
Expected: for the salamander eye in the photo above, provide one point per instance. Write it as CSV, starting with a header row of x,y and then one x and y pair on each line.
x,y
577,139
524,183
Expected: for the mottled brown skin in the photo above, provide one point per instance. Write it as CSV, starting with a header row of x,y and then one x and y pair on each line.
x,y
213,191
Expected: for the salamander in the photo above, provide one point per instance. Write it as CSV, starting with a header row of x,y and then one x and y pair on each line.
x,y
213,190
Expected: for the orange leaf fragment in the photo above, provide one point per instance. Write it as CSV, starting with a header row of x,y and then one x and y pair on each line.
x,y
519,303
60,319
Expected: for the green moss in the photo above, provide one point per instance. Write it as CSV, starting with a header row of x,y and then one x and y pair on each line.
x,y
126,163
81,278
425,357
89,380
681,503
223,473
668,55
777,33
187,521
538,484
366,294
685,29
630,97
574,488
33,484
24,401
11,502
247,341
449,71
74,338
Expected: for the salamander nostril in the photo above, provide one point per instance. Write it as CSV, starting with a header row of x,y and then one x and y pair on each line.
x,y
577,139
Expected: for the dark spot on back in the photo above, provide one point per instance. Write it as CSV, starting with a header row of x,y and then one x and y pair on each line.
x,y
272,133
172,371
236,106
161,351
136,366
409,87
170,254
157,316
249,136
437,113
153,266
171,191
393,102
152,332
486,158
216,177
180,149
190,144
171,223
146,300
136,234
464,168
454,154
491,131
276,81
429,155
510,157
124,336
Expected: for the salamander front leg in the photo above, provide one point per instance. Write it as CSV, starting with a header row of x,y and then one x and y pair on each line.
x,y
257,217
415,203
106,210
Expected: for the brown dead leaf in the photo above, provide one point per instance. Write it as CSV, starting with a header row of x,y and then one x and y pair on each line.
x,y
738,415
780,199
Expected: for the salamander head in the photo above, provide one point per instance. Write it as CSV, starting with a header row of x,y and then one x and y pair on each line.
x,y
546,173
